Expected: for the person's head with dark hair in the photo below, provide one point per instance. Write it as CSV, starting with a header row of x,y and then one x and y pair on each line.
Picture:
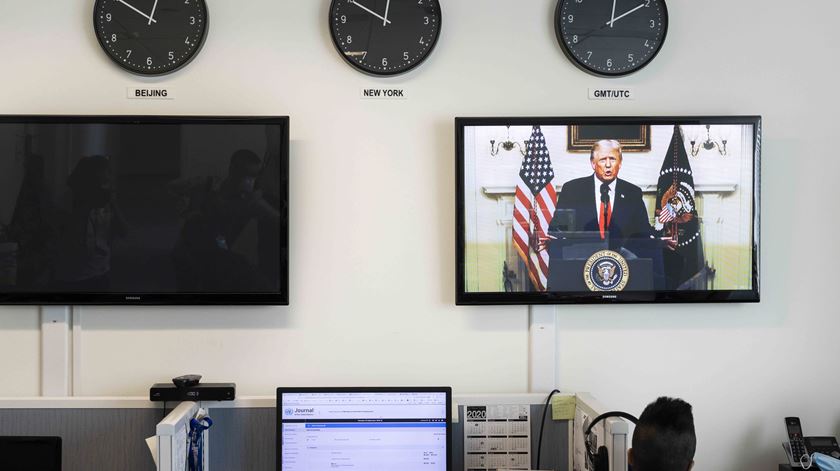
x,y
90,181
243,170
664,439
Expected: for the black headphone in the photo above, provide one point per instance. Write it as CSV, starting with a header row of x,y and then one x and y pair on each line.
x,y
600,458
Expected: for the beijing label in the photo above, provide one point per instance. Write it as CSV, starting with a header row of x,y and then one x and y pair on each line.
x,y
150,93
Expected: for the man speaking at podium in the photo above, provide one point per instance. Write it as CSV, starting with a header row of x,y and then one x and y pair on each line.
x,y
602,211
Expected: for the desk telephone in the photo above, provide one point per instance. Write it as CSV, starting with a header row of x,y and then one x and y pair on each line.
x,y
799,448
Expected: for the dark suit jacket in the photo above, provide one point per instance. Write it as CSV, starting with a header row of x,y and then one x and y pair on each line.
x,y
576,211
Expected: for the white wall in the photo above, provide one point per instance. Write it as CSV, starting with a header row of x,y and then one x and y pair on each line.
x,y
372,219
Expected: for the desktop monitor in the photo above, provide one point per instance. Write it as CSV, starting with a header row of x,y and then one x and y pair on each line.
x,y
365,429
30,453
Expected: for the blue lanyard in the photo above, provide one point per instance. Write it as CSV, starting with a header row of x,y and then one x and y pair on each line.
x,y
195,454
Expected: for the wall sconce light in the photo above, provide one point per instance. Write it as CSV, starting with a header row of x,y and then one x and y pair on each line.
x,y
507,145
709,144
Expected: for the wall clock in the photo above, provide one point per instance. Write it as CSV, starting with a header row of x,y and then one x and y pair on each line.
x,y
150,37
385,37
611,38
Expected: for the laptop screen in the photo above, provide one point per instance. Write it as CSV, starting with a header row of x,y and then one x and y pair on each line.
x,y
363,430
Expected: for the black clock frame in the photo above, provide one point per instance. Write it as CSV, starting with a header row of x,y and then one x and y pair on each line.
x,y
357,67
153,74
558,14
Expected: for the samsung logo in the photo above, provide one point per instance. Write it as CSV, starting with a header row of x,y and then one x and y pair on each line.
x,y
609,296
132,298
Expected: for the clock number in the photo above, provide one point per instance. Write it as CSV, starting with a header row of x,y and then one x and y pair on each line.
x,y
571,18
171,56
588,55
647,3
578,1
113,38
385,55
575,39
127,53
148,61
630,58
192,20
186,2
652,23
646,43
108,17
187,41
609,62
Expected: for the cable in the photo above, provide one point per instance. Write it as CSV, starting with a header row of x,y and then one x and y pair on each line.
x,y
542,424
806,461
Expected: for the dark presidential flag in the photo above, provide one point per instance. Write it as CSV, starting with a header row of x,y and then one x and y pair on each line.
x,y
677,220
534,207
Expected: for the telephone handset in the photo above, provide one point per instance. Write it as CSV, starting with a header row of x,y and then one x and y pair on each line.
x,y
796,450
800,448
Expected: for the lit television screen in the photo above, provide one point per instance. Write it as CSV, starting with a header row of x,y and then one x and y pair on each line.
x,y
581,210
143,210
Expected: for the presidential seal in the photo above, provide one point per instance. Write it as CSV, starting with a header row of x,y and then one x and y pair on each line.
x,y
606,271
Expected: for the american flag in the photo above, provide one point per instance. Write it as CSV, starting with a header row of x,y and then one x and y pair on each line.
x,y
534,207
667,214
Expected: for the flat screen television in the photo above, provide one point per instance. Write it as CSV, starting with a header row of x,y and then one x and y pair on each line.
x,y
607,209
144,210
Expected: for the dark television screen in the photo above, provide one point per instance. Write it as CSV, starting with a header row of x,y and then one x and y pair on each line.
x,y
143,210
588,210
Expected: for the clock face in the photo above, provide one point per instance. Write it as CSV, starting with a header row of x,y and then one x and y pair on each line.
x,y
150,37
385,37
611,37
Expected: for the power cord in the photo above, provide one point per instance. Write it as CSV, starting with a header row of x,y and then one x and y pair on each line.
x,y
806,461
542,425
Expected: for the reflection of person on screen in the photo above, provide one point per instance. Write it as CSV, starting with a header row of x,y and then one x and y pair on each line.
x,y
603,203
218,214
83,258
31,226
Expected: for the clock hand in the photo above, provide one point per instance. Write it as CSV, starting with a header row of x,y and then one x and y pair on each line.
x,y
385,20
152,15
138,11
612,15
354,2
625,14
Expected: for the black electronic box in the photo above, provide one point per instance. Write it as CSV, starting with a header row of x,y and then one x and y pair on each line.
x,y
199,392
